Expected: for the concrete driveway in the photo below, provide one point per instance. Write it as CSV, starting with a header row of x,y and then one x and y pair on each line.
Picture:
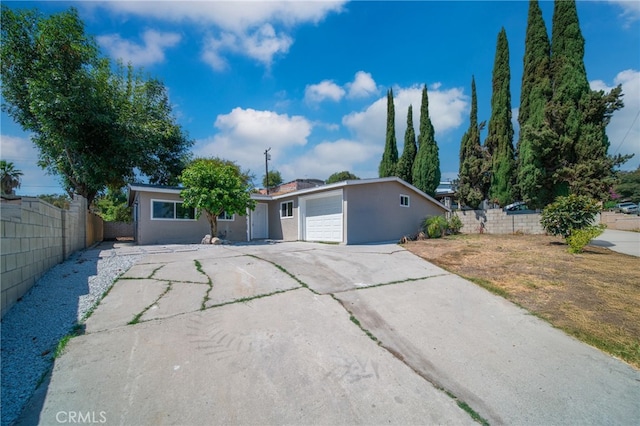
x,y
300,333
625,242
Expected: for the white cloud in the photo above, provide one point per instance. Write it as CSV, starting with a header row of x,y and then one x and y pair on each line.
x,y
24,156
329,157
446,110
245,28
624,128
326,89
363,86
630,9
235,16
244,134
262,45
148,53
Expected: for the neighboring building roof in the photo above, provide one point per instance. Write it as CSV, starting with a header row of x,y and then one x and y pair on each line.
x,y
291,186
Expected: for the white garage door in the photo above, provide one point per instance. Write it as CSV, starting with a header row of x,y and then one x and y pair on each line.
x,y
323,219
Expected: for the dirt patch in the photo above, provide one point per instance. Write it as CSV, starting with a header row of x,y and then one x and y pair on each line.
x,y
594,296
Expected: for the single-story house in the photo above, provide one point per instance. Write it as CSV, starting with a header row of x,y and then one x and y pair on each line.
x,y
348,212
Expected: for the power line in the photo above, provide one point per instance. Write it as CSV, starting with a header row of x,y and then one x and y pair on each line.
x,y
628,131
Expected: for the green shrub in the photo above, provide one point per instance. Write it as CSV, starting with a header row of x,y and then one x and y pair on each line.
x,y
568,214
579,238
455,224
435,226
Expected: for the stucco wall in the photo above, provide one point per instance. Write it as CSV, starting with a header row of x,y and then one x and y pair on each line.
x,y
373,212
285,229
172,231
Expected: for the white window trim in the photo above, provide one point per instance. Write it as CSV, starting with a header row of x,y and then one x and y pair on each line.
x,y
286,217
175,219
408,200
233,218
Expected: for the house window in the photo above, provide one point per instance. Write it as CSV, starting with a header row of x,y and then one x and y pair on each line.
x,y
404,200
286,209
171,210
224,216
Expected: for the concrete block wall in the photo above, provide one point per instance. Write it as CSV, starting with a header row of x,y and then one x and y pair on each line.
x,y
113,230
35,237
620,221
496,221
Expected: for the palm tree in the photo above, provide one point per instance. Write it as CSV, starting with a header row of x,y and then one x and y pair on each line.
x,y
10,177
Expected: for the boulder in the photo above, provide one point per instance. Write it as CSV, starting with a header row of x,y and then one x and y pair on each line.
x,y
216,241
206,239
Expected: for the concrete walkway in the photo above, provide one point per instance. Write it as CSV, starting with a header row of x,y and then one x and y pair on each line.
x,y
300,333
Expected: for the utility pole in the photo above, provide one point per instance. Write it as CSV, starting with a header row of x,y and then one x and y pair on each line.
x,y
267,157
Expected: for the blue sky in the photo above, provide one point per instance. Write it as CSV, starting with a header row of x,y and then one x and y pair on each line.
x,y
309,79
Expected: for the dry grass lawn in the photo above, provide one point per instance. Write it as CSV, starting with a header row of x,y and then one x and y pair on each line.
x,y
594,296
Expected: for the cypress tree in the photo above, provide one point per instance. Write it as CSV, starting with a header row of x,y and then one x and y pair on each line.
x,y
499,142
534,181
405,165
426,167
473,174
570,84
578,116
389,160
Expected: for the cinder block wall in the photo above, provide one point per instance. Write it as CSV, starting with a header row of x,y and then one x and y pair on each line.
x,y
35,237
113,230
620,221
496,221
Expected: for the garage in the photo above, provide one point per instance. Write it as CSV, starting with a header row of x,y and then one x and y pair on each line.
x,y
322,217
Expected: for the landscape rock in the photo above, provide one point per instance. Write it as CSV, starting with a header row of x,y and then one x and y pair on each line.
x,y
206,239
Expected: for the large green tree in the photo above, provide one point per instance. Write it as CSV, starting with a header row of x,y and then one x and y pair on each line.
x,y
94,126
534,173
405,164
628,186
473,177
426,167
113,206
215,186
577,115
389,160
274,179
341,176
499,142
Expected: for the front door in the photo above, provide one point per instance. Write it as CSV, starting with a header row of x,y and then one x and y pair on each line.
x,y
260,222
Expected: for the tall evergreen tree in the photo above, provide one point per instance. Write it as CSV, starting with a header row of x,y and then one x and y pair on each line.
x,y
405,165
499,142
534,175
474,167
389,160
577,115
426,167
570,84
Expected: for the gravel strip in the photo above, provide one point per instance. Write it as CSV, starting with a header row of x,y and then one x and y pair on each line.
x,y
59,300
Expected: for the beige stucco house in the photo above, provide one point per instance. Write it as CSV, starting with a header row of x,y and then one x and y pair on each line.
x,y
348,212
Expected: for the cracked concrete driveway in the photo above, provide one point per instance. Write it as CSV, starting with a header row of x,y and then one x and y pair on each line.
x,y
301,333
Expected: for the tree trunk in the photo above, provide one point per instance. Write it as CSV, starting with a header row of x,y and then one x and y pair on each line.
x,y
213,224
